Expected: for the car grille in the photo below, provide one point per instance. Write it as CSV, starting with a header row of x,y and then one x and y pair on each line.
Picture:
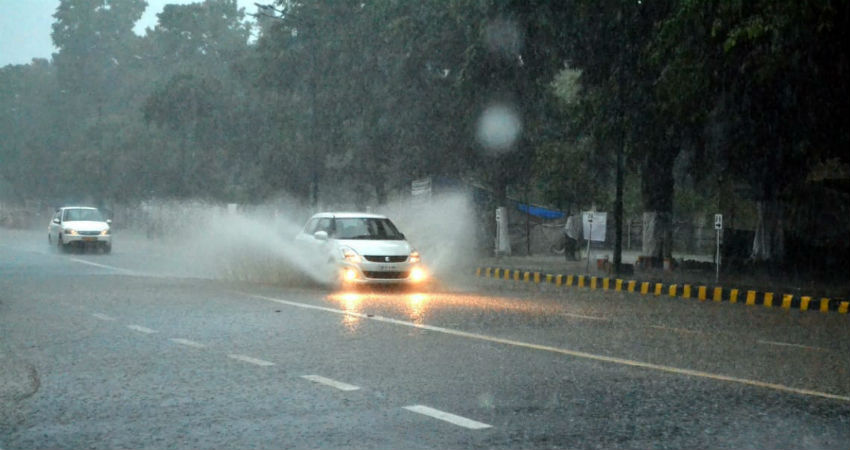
x,y
393,259
89,233
386,275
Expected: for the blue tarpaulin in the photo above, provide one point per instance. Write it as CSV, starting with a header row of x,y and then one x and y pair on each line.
x,y
540,212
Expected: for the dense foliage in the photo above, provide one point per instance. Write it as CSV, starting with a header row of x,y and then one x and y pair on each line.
x,y
708,103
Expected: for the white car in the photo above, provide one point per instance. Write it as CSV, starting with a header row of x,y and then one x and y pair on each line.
x,y
365,248
80,226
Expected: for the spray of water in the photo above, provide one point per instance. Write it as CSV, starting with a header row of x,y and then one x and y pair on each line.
x,y
217,241
442,229
257,243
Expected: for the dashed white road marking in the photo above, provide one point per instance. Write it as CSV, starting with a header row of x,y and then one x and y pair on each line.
x,y
142,329
103,316
248,359
582,316
104,266
188,343
333,383
563,351
786,344
678,330
447,417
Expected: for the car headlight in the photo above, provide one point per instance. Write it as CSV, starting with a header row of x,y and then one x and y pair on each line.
x,y
417,274
105,232
414,257
350,255
70,231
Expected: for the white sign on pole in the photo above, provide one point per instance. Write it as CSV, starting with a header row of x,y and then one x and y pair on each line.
x,y
594,224
503,240
718,221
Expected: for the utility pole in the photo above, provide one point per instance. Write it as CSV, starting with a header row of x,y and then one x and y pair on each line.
x,y
618,201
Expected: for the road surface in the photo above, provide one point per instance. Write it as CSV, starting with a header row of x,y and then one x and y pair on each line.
x,y
150,347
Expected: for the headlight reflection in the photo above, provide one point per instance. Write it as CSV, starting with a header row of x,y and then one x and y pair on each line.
x,y
417,305
351,303
406,306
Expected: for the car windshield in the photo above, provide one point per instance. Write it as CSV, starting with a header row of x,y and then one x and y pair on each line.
x,y
366,228
83,214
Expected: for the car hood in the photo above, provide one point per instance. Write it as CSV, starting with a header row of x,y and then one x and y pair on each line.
x,y
85,225
378,248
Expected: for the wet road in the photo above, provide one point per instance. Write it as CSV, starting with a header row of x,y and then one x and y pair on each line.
x,y
145,349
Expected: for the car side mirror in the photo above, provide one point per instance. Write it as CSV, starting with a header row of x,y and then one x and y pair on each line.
x,y
109,221
55,220
321,235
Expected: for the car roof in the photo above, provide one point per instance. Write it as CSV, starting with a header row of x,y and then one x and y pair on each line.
x,y
346,215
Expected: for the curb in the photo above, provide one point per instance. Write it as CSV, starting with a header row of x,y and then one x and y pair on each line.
x,y
699,292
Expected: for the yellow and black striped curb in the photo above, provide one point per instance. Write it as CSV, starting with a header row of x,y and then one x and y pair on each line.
x,y
695,291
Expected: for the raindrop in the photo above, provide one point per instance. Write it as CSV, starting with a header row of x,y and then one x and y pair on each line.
x,y
498,128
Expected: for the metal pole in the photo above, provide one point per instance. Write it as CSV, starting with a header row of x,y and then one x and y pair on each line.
x,y
717,274
589,238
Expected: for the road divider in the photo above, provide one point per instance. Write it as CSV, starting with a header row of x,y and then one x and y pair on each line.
x,y
716,294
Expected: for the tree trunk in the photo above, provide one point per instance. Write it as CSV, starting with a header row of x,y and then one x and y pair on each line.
x,y
657,191
769,240
657,234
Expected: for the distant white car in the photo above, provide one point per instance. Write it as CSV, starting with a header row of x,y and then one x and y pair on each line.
x,y
80,226
365,248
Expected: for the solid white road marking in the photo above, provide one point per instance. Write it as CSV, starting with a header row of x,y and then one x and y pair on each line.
x,y
333,383
563,351
187,343
447,417
104,266
141,329
785,344
103,316
251,360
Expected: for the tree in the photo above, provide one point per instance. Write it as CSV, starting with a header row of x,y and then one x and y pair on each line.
x,y
773,74
94,38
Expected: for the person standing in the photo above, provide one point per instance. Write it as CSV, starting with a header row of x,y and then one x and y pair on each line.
x,y
572,231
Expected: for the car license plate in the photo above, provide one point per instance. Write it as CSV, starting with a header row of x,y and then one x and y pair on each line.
x,y
385,268
89,239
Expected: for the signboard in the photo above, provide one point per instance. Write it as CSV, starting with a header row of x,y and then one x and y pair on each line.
x,y
503,240
718,221
594,225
